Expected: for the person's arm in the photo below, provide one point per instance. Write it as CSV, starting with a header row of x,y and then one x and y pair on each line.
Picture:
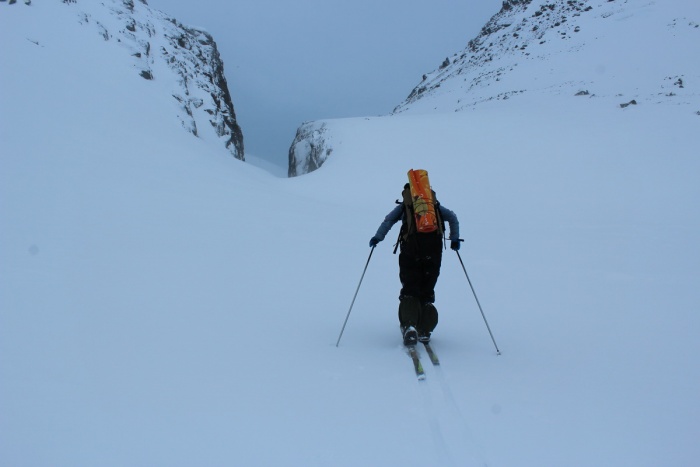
x,y
392,218
451,219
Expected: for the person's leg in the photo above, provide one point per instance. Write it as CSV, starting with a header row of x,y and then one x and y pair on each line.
x,y
430,271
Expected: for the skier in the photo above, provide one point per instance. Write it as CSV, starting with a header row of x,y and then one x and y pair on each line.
x,y
419,266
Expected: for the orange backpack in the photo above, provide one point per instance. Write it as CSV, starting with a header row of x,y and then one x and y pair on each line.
x,y
425,214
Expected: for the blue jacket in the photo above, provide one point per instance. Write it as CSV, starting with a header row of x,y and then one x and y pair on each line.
x,y
397,213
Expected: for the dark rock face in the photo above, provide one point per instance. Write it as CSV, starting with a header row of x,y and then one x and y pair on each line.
x,y
194,58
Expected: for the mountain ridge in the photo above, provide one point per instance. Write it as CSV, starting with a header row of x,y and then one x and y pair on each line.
x,y
620,52
539,31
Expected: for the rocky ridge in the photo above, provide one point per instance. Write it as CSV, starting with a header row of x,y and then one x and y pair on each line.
x,y
163,49
495,65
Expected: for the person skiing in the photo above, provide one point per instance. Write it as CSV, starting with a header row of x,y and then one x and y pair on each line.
x,y
419,264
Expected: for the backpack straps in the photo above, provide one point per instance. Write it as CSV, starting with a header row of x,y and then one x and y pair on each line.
x,y
402,230
408,226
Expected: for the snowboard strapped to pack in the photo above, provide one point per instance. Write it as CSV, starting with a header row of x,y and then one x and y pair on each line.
x,y
421,213
423,199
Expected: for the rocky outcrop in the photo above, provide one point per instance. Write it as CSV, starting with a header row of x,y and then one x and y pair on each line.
x,y
165,50
310,148
195,60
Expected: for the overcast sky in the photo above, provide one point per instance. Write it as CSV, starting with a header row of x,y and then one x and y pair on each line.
x,y
287,62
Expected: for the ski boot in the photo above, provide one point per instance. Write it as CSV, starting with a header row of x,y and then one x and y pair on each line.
x,y
410,336
423,337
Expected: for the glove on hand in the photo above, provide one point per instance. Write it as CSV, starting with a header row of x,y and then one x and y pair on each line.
x,y
454,244
373,241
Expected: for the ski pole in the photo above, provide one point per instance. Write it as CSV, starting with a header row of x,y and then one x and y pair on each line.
x,y
498,352
353,298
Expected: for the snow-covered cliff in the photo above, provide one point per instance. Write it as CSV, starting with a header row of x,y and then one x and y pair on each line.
x,y
184,62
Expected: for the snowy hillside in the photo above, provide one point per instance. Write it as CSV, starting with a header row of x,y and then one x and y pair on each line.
x,y
182,62
164,304
620,52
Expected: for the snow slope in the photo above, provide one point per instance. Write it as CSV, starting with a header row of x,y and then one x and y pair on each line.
x,y
623,49
163,304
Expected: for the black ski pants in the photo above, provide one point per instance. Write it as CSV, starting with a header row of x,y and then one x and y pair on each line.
x,y
419,267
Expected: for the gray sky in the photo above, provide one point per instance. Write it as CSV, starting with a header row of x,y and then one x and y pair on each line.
x,y
287,62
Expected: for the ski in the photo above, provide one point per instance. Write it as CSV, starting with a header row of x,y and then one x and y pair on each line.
x,y
413,352
431,353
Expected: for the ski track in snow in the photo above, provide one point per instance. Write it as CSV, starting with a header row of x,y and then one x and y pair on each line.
x,y
452,437
432,416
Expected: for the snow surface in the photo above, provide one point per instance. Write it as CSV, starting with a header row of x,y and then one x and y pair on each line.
x,y
164,304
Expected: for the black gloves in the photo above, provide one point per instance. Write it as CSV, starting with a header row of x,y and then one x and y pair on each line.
x,y
373,241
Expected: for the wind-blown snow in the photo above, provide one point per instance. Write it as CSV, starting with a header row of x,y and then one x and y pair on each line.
x,y
164,304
